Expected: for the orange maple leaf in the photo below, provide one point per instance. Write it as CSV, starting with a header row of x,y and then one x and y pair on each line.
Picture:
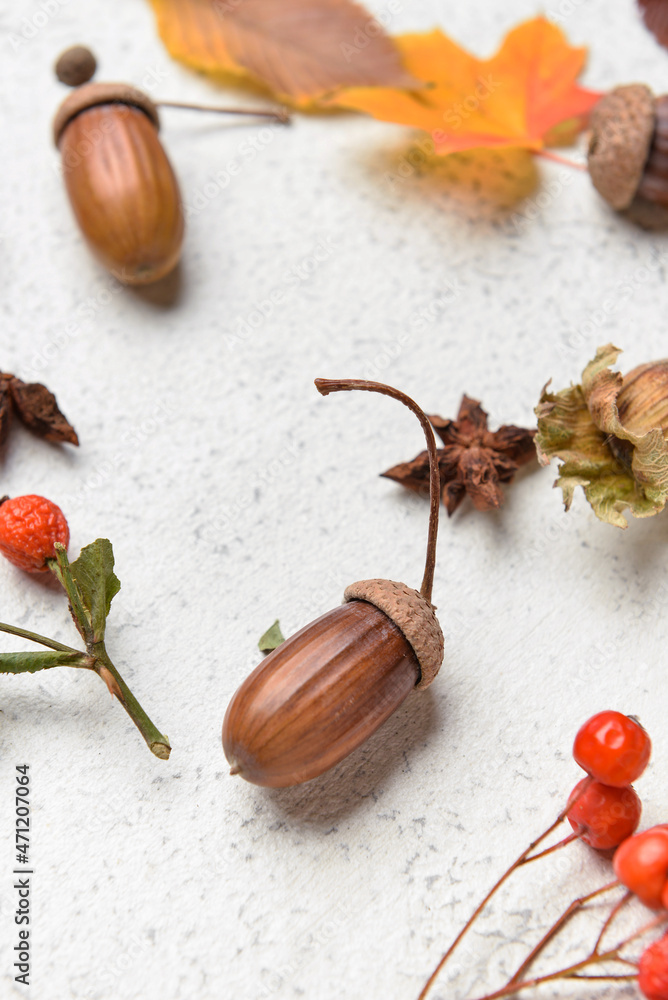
x,y
524,96
300,49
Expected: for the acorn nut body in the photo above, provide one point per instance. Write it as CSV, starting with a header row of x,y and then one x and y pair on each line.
x,y
120,182
324,691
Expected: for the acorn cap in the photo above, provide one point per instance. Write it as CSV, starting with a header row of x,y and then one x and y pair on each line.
x,y
91,95
622,126
411,614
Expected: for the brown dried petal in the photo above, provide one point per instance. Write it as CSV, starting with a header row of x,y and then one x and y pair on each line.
x,y
480,479
453,494
446,429
37,408
414,475
515,442
505,467
471,418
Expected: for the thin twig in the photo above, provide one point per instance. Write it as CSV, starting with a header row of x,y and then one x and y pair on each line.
x,y
576,905
550,850
547,154
611,916
572,799
280,114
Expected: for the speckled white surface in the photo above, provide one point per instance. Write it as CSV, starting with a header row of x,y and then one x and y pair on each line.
x,y
233,494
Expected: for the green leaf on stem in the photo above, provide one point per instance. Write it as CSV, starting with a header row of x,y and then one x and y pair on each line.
x,y
272,638
93,573
29,663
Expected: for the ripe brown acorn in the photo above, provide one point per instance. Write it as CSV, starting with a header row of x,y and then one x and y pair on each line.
x,y
628,146
121,185
325,690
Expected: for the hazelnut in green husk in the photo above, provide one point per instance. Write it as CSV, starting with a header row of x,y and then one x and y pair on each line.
x,y
610,434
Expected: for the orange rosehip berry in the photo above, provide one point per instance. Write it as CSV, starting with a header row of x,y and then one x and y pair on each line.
x,y
613,748
641,864
603,816
30,526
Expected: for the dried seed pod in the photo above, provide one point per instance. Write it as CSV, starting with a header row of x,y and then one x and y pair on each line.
x,y
121,185
611,434
628,146
324,691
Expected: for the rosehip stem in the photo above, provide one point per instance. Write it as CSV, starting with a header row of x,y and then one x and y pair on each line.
x,y
594,958
569,912
96,659
325,386
523,859
35,637
156,742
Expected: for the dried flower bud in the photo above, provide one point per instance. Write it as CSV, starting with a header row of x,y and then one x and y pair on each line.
x,y
610,433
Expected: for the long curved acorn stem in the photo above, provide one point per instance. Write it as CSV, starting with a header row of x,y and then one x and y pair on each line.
x,y
280,114
326,385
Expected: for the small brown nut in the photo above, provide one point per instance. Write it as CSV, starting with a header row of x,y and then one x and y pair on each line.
x,y
320,694
75,66
120,182
622,127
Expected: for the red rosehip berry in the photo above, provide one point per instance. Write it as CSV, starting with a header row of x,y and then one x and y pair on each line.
x,y
603,816
30,526
641,864
653,970
612,748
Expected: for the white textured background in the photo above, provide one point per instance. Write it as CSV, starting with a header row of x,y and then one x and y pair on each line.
x,y
233,495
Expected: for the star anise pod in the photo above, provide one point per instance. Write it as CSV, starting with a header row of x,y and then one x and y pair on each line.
x,y
36,407
473,461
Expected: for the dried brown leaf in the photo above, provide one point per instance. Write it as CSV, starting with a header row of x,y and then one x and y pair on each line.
x,y
301,49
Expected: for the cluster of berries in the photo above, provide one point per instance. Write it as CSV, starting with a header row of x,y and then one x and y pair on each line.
x,y
604,812
615,750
